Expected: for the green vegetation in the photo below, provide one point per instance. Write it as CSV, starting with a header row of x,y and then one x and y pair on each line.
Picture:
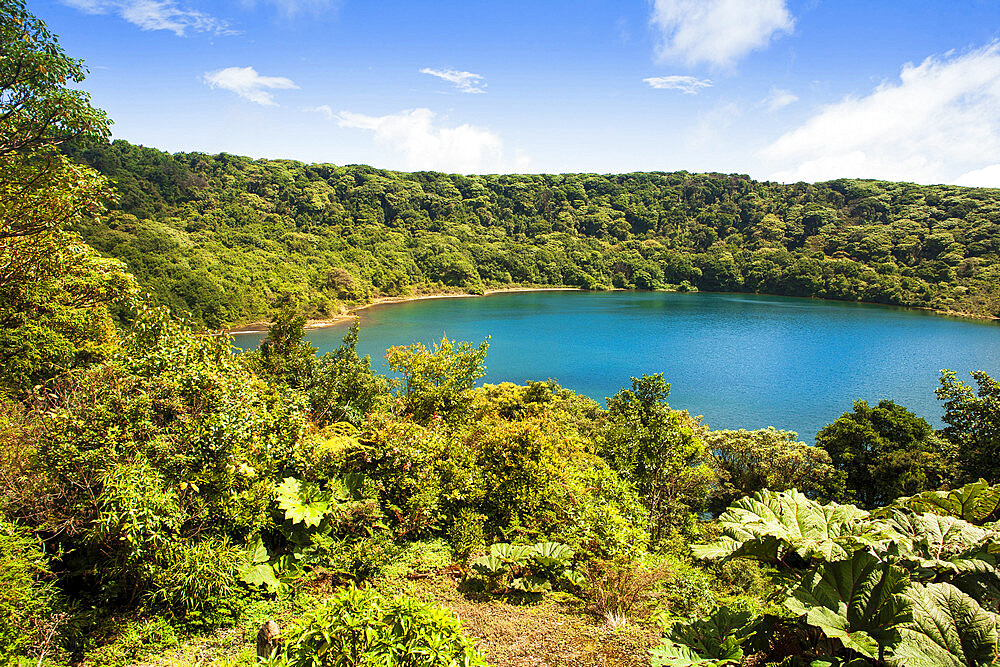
x,y
161,495
227,238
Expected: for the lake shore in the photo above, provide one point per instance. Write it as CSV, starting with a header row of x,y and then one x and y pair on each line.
x,y
262,326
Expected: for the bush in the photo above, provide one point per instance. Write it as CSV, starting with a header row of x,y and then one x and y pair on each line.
x,y
27,599
466,534
615,587
361,628
137,640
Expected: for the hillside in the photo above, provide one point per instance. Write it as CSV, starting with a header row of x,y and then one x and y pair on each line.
x,y
227,238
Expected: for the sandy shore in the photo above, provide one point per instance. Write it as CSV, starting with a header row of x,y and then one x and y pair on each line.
x,y
261,327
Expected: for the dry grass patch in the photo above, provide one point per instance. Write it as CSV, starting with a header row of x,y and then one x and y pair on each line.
x,y
553,632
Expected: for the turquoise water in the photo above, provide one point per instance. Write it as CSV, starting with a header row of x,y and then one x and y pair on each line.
x,y
742,361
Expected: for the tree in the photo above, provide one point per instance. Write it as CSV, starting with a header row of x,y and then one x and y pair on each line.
x,y
285,355
55,291
439,381
751,461
973,424
38,111
660,451
886,452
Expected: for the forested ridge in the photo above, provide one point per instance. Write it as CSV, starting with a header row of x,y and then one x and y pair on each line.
x,y
226,238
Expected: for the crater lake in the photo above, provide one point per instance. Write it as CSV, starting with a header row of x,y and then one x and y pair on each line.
x,y
741,361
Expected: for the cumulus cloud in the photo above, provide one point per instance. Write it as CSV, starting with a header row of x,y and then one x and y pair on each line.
x,y
155,15
424,143
779,99
717,32
248,84
467,82
987,177
688,85
937,122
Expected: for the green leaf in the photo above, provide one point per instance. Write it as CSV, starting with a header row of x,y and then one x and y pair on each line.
x,y
511,553
975,502
676,655
488,565
718,637
551,554
770,524
531,584
260,574
948,629
574,577
257,553
302,502
859,601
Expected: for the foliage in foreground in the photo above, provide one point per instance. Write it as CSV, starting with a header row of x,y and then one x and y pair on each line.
x,y
914,583
362,628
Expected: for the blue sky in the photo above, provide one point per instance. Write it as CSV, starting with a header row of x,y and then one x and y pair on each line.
x,y
780,89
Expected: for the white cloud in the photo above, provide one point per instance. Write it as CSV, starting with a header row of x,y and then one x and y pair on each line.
x,y
987,177
718,32
424,144
322,109
245,82
938,122
292,8
467,82
155,15
686,84
779,99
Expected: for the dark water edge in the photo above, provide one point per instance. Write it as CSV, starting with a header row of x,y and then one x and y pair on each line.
x,y
741,360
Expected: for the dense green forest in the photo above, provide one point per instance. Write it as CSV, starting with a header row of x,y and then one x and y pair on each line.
x,y
162,496
225,238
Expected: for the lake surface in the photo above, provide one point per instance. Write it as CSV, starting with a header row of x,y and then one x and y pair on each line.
x,y
742,361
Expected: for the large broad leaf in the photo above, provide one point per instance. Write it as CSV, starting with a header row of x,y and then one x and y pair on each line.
x,y
769,524
531,584
255,569
859,601
933,537
302,502
551,554
488,566
976,503
261,574
948,629
516,554
716,640
677,655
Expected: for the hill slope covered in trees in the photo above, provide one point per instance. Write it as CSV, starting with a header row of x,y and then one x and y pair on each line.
x,y
226,238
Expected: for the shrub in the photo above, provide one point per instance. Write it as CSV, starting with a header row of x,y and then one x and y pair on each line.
x,y
27,599
137,640
466,534
361,628
421,556
614,587
527,569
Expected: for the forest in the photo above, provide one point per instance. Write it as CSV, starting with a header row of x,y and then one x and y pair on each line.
x,y
226,239
166,500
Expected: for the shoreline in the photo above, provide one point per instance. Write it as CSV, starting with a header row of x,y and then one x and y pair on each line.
x,y
262,326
